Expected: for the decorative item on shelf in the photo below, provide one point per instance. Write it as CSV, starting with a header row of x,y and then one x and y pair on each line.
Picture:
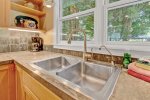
x,y
48,3
36,3
26,22
126,60
29,5
37,43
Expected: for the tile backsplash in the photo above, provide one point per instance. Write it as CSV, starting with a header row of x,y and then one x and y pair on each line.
x,y
12,41
96,56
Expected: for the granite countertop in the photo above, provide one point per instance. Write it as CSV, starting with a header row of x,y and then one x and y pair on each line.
x,y
127,87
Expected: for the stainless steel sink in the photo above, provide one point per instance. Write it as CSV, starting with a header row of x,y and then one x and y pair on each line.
x,y
96,80
55,63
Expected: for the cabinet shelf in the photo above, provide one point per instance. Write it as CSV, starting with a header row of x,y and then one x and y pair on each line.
x,y
21,8
26,29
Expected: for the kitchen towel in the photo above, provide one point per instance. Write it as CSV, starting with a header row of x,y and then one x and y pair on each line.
x,y
133,67
140,76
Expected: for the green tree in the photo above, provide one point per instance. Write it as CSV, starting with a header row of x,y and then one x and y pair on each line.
x,y
130,22
86,22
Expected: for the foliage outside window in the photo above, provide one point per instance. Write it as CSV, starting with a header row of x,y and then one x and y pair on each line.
x,y
86,23
75,6
111,1
84,20
129,23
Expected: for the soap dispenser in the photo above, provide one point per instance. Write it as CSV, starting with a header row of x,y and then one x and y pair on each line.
x,y
126,60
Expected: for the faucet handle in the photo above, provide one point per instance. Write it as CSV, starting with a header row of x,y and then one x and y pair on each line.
x,y
92,54
92,49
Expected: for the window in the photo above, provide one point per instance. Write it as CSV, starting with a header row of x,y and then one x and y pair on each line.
x,y
118,24
111,1
76,14
75,6
129,22
85,22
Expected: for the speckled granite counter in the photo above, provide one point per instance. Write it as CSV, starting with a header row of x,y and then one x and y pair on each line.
x,y
127,87
131,88
5,59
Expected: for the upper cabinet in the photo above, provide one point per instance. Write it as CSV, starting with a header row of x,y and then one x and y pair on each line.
x,y
27,10
4,12
26,14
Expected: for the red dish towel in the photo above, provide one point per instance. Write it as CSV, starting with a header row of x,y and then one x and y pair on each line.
x,y
140,76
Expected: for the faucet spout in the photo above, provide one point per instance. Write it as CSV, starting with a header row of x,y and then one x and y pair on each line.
x,y
112,60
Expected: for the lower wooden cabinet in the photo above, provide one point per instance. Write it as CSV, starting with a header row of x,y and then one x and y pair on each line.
x,y
7,82
19,83
16,84
36,91
28,95
30,89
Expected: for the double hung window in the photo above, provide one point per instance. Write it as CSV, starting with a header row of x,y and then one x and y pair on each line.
x,y
107,22
76,14
128,21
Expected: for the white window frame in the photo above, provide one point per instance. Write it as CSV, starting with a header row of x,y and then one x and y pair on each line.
x,y
58,19
100,32
123,45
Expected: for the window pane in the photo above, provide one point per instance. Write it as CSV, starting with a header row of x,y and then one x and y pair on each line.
x,y
111,1
131,23
74,6
86,23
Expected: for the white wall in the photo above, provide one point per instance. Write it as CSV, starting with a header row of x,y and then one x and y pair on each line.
x,y
48,26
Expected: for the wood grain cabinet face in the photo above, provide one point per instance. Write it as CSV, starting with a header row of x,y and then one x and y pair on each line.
x,y
28,95
19,83
23,93
16,84
36,91
4,12
7,82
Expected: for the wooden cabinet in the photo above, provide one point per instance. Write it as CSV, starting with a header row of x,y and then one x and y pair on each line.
x,y
30,89
29,95
7,82
34,90
19,9
23,9
19,83
7,7
16,84
4,12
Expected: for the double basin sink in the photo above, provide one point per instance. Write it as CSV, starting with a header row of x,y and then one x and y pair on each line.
x,y
94,80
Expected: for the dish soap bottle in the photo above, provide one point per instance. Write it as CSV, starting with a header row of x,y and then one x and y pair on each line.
x,y
126,60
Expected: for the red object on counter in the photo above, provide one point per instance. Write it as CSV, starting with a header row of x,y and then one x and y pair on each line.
x,y
140,76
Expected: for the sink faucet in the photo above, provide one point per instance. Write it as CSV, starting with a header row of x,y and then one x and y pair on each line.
x,y
112,60
85,55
